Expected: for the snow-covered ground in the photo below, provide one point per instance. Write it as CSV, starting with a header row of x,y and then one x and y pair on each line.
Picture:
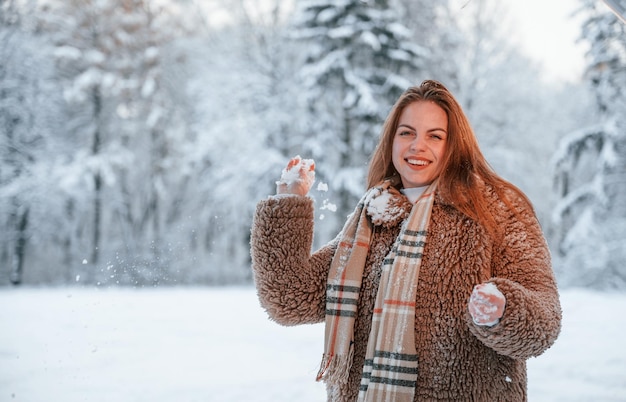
x,y
77,344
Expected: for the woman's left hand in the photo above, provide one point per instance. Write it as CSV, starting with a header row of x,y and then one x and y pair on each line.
x,y
486,305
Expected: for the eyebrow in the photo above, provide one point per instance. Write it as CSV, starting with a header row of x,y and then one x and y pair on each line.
x,y
431,130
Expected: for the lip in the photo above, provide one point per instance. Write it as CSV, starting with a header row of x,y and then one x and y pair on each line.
x,y
417,163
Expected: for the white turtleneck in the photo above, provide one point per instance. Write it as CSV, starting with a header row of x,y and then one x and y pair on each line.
x,y
413,193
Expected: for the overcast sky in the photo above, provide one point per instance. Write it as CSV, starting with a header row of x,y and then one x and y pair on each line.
x,y
548,33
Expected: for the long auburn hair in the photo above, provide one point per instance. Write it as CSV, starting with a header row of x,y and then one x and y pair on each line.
x,y
464,167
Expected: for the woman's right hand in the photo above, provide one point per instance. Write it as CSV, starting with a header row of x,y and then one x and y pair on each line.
x,y
486,304
297,178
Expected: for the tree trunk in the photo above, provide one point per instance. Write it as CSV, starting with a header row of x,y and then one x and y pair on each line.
x,y
97,205
17,263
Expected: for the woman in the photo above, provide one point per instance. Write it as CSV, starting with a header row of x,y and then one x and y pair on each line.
x,y
440,285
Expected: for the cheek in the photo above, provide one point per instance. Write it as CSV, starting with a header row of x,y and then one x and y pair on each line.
x,y
441,151
396,152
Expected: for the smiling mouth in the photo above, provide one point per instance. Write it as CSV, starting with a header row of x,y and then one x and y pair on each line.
x,y
417,162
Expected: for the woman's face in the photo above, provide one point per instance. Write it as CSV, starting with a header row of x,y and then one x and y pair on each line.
x,y
419,143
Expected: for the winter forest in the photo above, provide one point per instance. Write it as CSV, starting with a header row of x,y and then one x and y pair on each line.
x,y
137,136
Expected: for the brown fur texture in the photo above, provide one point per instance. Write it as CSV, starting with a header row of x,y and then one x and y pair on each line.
x,y
458,360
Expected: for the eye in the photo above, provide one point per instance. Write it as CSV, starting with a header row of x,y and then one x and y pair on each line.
x,y
404,133
437,136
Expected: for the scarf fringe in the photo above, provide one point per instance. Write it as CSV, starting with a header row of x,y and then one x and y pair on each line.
x,y
335,369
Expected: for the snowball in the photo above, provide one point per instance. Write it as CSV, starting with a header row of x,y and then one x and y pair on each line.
x,y
291,173
482,307
490,288
378,208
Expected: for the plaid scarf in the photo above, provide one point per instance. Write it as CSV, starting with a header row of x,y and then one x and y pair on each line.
x,y
390,370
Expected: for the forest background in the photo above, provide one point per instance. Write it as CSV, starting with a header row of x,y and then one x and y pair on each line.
x,y
137,136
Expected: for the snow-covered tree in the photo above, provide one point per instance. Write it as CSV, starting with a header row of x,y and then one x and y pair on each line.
x,y
434,26
13,145
30,108
359,59
124,123
247,123
590,165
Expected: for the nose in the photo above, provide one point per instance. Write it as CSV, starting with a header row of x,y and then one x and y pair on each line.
x,y
417,144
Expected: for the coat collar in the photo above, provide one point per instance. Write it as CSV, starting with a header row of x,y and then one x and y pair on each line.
x,y
388,207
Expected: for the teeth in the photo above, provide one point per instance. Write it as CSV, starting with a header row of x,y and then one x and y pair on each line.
x,y
417,162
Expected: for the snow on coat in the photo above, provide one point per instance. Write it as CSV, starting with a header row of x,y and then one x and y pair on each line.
x,y
458,360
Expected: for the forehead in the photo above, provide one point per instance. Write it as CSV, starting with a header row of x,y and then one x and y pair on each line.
x,y
424,113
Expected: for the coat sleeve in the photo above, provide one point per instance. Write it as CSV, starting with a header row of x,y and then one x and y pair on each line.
x,y
522,271
290,281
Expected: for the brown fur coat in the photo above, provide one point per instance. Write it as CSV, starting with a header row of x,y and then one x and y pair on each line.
x,y
458,361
